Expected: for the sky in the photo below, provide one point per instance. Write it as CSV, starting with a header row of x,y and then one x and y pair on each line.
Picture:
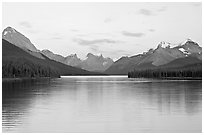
x,y
111,29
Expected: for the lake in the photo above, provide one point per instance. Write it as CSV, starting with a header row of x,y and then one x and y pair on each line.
x,y
102,104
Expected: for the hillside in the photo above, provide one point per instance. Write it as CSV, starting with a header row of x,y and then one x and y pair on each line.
x,y
165,55
18,63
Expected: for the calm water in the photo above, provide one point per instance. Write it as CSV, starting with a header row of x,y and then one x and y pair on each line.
x,y
102,104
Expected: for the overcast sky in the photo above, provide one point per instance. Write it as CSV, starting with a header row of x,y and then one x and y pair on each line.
x,y
113,29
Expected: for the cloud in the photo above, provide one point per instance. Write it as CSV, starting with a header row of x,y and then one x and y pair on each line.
x,y
56,36
162,9
29,27
74,30
107,20
122,52
131,34
117,54
94,34
94,48
196,4
93,42
152,30
146,12
25,24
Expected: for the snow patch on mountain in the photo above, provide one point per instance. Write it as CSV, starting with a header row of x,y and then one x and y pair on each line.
x,y
164,44
9,30
184,51
5,32
105,63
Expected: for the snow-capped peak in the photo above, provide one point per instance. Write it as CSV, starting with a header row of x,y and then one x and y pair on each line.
x,y
9,30
187,40
164,44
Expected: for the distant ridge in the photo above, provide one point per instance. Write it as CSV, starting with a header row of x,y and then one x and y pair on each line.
x,y
91,63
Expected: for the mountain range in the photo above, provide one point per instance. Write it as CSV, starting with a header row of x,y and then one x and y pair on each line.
x,y
164,55
20,58
91,63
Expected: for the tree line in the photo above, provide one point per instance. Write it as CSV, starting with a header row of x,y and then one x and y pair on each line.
x,y
186,72
12,69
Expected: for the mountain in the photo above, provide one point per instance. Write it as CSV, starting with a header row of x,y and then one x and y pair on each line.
x,y
72,60
17,62
154,58
96,63
181,62
91,63
16,38
53,56
20,58
190,48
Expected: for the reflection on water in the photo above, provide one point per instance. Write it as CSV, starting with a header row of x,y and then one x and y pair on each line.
x,y
102,104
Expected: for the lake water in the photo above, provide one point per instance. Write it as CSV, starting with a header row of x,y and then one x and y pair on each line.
x,y
102,104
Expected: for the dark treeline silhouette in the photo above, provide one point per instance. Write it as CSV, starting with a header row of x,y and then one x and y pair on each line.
x,y
190,71
12,69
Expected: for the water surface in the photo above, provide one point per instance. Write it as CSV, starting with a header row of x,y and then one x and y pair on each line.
x,y
102,104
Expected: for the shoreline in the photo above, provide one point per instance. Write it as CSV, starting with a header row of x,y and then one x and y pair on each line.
x,y
25,78
182,78
40,78
174,78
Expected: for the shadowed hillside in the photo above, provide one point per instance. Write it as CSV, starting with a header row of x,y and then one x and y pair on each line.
x,y
18,63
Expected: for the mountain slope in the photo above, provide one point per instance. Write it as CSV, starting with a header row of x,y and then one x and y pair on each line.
x,y
91,63
125,64
164,53
53,56
72,60
181,62
18,63
16,38
96,63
